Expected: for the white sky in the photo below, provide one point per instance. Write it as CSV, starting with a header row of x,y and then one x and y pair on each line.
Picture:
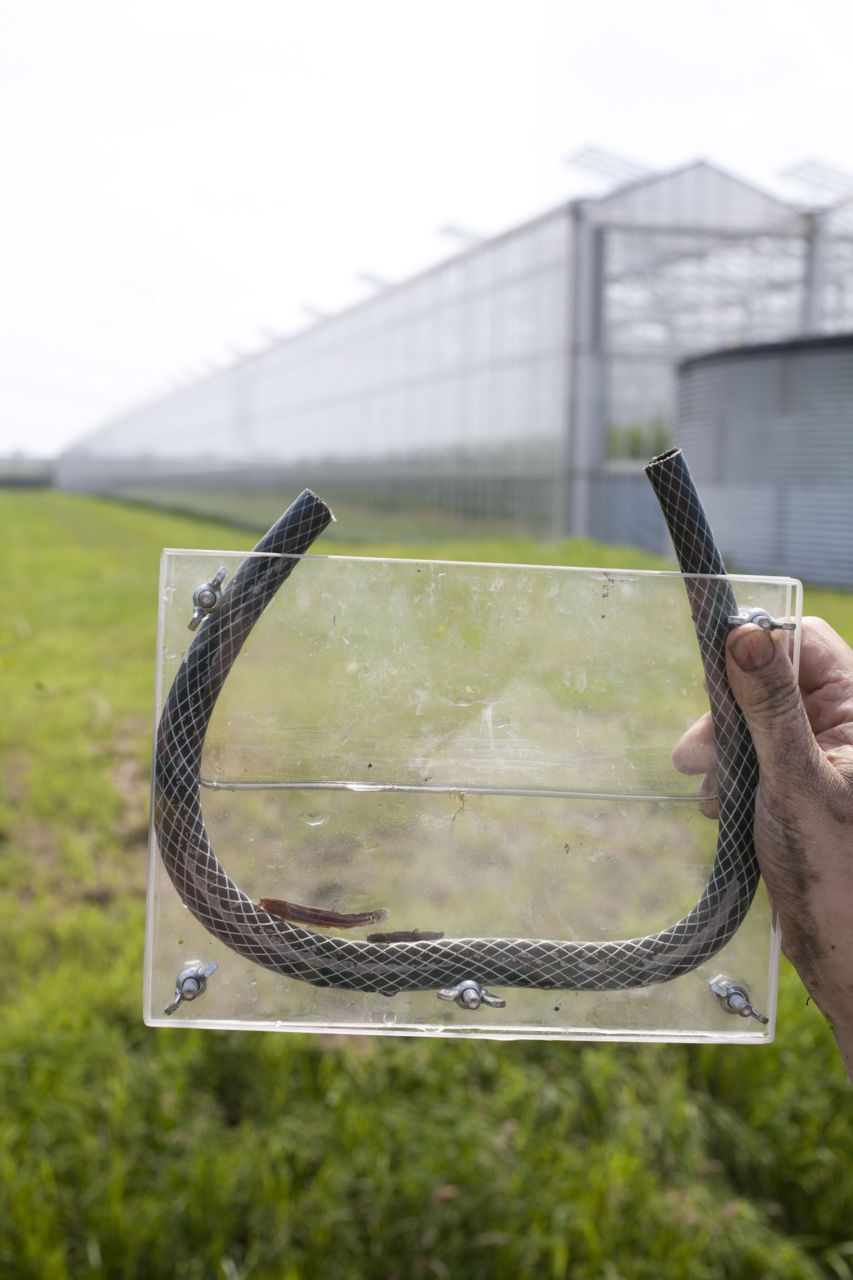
x,y
177,177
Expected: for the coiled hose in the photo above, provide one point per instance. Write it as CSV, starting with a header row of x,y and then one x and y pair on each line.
x,y
389,967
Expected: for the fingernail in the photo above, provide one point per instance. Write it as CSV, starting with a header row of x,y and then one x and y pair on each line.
x,y
752,648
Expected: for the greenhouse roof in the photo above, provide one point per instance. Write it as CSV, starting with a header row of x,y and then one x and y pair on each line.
x,y
696,195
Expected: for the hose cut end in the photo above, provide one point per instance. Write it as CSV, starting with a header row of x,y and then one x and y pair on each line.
x,y
308,495
669,455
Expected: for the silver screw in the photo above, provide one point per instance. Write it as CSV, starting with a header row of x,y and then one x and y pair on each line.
x,y
468,994
206,599
760,618
735,998
191,983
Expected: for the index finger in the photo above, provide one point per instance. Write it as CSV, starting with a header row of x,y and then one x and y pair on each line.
x,y
695,751
824,656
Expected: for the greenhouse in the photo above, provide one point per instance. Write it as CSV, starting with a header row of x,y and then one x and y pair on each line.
x,y
520,381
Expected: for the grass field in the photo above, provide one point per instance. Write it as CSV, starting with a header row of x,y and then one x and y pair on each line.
x,y
134,1153
256,508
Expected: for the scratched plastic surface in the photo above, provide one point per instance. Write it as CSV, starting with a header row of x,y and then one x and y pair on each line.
x,y
483,750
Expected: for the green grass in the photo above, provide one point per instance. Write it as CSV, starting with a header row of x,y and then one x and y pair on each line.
x,y
128,1152
256,508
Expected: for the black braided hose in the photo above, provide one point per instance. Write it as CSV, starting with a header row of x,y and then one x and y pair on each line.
x,y
389,967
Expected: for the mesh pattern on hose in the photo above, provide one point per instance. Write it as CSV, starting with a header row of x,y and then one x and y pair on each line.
x,y
213,898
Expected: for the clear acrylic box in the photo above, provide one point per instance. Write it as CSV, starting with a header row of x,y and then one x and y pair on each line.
x,y
483,751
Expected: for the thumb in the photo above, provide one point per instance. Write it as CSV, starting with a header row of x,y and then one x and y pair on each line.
x,y
763,682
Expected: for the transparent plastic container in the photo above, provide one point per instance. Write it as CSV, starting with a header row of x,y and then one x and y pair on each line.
x,y
483,751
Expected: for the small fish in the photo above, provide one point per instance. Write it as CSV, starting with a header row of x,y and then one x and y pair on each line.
x,y
405,935
296,914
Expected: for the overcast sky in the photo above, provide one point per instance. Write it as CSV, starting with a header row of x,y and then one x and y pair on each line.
x,y
179,177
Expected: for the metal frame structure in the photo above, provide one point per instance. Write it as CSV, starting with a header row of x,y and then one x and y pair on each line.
x,y
512,381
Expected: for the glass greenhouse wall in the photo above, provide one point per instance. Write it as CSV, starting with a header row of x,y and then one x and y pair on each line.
x,y
522,381
447,391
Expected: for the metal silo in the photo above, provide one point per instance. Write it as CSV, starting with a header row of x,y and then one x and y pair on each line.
x,y
768,429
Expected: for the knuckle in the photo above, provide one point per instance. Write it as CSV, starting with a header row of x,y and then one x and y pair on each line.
x,y
777,698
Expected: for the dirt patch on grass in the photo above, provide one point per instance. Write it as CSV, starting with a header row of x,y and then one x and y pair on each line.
x,y
15,788
132,782
40,842
130,775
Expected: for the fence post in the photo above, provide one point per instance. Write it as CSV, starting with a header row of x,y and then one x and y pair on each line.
x,y
586,427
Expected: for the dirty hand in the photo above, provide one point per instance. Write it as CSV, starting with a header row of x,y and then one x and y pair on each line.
x,y
804,807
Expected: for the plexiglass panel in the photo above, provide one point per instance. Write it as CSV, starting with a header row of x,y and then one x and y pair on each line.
x,y
481,751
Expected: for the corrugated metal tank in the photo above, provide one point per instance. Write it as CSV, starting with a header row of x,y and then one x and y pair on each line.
x,y
768,433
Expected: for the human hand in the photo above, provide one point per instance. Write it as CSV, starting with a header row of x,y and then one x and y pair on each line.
x,y
803,738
